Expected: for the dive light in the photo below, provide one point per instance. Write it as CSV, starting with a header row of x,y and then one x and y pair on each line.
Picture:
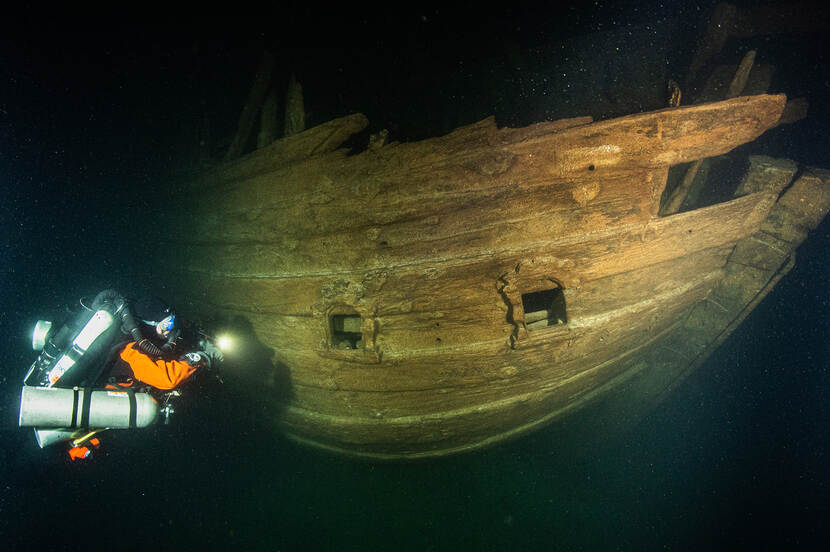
x,y
225,343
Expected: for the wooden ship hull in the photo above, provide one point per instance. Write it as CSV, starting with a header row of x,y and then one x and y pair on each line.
x,y
427,298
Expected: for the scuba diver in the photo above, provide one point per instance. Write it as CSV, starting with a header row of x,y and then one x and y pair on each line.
x,y
182,350
110,365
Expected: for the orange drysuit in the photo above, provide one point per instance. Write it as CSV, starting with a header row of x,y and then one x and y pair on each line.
x,y
161,374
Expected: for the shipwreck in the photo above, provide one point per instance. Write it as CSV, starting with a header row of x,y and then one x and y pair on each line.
x,y
426,298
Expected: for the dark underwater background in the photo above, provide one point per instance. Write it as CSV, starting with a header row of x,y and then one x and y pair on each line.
x,y
96,113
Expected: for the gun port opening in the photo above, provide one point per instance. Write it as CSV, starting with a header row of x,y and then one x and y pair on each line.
x,y
544,308
346,331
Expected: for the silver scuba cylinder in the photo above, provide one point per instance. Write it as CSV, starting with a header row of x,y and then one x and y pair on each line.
x,y
53,407
46,437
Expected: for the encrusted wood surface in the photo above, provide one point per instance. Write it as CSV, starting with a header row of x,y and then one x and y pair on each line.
x,y
432,244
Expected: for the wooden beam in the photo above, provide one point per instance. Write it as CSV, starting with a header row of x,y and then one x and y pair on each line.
x,y
248,117
737,85
268,121
294,108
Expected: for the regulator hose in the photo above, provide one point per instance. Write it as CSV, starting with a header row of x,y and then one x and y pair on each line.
x,y
119,307
148,347
111,297
130,326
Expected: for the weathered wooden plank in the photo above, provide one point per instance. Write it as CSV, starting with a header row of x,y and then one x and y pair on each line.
x,y
455,320
453,374
461,429
291,179
661,138
766,174
387,218
321,139
801,207
575,258
439,291
412,174
604,294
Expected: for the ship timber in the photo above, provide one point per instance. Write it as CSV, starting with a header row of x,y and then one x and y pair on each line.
x,y
427,298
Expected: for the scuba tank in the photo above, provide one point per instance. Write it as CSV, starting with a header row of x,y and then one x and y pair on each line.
x,y
53,407
66,355
73,355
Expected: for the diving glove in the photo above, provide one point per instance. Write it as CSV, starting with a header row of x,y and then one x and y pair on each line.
x,y
213,352
209,356
197,359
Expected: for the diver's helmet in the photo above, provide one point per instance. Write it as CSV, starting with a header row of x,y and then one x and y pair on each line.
x,y
156,314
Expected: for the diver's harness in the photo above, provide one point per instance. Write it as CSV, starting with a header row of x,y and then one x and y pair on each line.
x,y
58,398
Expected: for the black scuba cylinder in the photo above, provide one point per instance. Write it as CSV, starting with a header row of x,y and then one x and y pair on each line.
x,y
67,357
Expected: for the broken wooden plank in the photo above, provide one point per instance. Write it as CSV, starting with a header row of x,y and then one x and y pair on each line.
x,y
251,110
